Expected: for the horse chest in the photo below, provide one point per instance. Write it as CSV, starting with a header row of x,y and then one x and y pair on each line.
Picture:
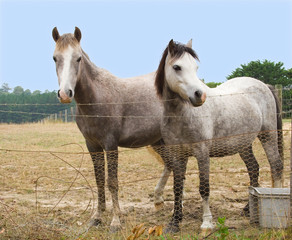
x,y
95,128
179,130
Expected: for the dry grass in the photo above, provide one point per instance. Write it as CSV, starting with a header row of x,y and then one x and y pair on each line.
x,y
48,189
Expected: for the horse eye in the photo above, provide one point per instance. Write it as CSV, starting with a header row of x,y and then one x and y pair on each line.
x,y
79,59
176,67
55,59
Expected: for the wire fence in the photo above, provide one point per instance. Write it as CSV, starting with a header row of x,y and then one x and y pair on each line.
x,y
51,193
69,115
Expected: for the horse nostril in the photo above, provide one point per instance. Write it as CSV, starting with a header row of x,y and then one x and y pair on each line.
x,y
198,94
70,93
59,94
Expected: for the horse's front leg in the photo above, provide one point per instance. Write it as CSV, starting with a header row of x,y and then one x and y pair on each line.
x,y
113,185
179,170
97,156
203,159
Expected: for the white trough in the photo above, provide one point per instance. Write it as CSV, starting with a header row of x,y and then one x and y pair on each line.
x,y
269,207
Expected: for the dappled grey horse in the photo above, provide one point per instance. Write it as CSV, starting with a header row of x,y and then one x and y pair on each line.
x,y
111,112
197,119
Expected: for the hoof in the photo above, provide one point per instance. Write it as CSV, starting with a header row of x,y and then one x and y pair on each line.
x,y
172,228
95,222
115,229
159,206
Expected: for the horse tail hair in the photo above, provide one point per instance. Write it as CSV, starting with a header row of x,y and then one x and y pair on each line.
x,y
279,121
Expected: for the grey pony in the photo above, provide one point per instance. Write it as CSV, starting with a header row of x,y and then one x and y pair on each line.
x,y
111,112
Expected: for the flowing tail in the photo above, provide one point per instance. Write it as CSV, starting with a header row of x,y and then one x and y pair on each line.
x,y
279,121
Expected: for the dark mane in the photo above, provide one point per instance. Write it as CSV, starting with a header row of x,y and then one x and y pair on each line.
x,y
176,51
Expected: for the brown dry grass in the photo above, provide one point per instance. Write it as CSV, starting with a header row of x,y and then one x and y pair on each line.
x,y
48,189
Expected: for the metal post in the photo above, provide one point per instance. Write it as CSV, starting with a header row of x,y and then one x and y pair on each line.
x,y
291,175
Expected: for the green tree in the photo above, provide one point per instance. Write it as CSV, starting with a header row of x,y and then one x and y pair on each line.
x,y
36,92
27,92
289,75
213,84
266,71
18,90
5,88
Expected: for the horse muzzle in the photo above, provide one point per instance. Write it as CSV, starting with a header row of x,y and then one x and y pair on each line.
x,y
65,96
198,99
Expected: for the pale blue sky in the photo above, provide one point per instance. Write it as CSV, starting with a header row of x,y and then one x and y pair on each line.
x,y
128,37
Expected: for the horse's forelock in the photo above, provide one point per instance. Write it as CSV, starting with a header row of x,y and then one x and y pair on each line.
x,y
177,51
65,40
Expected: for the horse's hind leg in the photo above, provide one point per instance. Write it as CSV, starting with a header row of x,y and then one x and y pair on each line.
x,y
251,164
158,191
161,150
253,170
270,144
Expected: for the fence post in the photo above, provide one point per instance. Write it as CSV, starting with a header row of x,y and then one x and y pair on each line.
x,y
72,114
60,116
279,93
66,115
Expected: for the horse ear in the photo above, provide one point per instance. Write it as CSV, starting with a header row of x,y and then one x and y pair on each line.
x,y
190,43
171,47
55,34
77,34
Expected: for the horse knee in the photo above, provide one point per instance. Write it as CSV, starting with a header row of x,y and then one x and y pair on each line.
x,y
204,188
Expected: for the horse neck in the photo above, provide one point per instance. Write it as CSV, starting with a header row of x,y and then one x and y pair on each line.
x,y
94,83
173,103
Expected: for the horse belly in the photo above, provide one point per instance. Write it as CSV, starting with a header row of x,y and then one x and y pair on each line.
x,y
138,133
231,145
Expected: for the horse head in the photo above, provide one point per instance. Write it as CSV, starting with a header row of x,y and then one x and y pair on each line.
x,y
67,56
178,71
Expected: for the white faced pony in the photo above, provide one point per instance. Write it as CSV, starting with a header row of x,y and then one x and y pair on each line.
x,y
196,116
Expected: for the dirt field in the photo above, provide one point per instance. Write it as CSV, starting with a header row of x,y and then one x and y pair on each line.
x,y
48,189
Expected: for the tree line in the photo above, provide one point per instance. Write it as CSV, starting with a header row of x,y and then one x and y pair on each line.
x,y
19,106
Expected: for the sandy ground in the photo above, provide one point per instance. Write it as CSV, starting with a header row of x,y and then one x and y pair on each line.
x,y
46,184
